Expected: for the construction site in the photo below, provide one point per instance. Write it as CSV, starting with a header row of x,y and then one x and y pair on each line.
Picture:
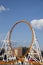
x,y
20,55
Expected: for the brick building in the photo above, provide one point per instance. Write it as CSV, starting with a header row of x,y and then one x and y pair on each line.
x,y
20,51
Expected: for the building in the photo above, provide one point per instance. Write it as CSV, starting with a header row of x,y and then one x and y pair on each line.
x,y
20,51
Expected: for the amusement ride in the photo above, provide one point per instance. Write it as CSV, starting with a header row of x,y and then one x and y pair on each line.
x,y
32,57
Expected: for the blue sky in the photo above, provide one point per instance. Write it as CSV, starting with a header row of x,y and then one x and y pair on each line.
x,y
12,11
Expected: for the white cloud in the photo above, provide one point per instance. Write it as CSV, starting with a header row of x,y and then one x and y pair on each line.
x,y
3,8
37,23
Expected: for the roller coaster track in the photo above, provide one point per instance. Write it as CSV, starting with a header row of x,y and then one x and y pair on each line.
x,y
34,41
8,39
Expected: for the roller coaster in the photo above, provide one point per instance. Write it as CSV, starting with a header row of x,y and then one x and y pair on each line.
x,y
32,57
